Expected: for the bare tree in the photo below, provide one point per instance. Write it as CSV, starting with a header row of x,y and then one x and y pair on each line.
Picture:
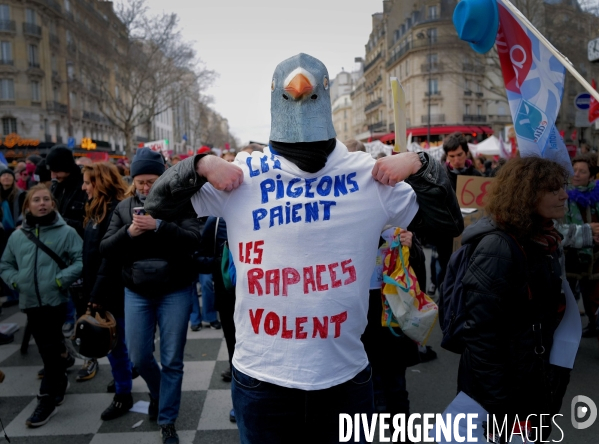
x,y
152,68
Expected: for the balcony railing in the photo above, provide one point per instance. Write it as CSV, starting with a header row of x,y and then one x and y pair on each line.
x,y
373,105
467,93
56,107
476,69
474,118
8,26
54,40
431,67
7,62
435,118
94,117
432,93
372,62
378,126
500,119
479,94
72,47
32,29
34,65
54,5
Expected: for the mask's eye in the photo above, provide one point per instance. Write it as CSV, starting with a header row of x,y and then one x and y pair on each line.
x,y
314,97
272,85
325,82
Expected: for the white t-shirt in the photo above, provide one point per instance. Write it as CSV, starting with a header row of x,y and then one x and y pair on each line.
x,y
304,247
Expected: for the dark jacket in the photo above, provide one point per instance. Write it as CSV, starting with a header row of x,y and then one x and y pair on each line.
x,y
172,243
438,214
499,368
71,199
453,174
102,282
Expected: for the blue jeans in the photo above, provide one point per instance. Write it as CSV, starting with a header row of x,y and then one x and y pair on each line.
x,y
120,363
209,313
267,413
170,313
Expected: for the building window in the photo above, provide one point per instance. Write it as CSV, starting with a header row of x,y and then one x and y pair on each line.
x,y
4,13
30,16
73,99
432,59
56,94
501,110
70,70
6,52
35,92
7,89
54,64
467,108
432,32
33,56
479,110
9,125
467,84
69,37
67,5
478,87
433,86
432,12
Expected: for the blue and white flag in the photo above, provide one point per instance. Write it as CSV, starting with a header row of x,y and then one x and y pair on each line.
x,y
534,81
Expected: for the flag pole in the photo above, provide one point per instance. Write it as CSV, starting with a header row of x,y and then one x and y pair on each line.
x,y
564,60
399,114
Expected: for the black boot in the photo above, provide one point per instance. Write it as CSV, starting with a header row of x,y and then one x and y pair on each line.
x,y
121,404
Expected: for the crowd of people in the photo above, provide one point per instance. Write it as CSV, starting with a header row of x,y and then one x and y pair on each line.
x,y
305,340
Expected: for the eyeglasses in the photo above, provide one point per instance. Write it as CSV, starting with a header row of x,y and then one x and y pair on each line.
x,y
141,184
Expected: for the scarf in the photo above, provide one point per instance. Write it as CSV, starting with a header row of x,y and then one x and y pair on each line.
x,y
310,157
42,221
140,196
548,238
582,198
460,170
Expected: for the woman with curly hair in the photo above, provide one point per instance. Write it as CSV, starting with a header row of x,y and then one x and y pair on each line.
x,y
512,295
103,287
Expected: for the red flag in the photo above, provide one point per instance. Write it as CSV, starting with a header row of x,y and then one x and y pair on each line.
x,y
594,108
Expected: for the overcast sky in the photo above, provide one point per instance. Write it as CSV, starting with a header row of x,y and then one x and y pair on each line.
x,y
244,40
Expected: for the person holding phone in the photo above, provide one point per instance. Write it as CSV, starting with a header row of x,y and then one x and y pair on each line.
x,y
158,273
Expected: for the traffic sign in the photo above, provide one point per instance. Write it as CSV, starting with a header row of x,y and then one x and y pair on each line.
x,y
583,101
593,50
71,142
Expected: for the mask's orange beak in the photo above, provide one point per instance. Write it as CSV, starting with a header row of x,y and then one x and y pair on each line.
x,y
299,86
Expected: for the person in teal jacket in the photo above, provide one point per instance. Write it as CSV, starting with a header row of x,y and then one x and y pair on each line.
x,y
42,286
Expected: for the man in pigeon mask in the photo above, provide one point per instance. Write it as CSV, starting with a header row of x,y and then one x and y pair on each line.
x,y
304,219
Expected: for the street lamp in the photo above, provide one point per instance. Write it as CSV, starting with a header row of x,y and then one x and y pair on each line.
x,y
422,35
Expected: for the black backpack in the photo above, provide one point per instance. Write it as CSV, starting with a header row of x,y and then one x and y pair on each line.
x,y
452,306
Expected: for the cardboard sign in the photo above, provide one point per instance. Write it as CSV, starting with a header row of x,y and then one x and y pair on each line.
x,y
472,191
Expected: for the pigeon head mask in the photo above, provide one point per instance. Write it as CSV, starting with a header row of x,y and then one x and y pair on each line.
x,y
300,104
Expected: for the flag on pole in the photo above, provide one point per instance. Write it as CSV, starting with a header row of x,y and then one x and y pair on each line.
x,y
534,82
594,108
399,115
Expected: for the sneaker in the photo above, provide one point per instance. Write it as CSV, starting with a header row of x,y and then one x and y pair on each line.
x,y
432,290
59,399
428,355
153,410
196,327
169,434
232,416
121,404
226,375
42,413
88,371
111,387
216,325
68,330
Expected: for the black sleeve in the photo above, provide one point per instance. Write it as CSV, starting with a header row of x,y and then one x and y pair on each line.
x,y
487,289
170,196
439,214
186,234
